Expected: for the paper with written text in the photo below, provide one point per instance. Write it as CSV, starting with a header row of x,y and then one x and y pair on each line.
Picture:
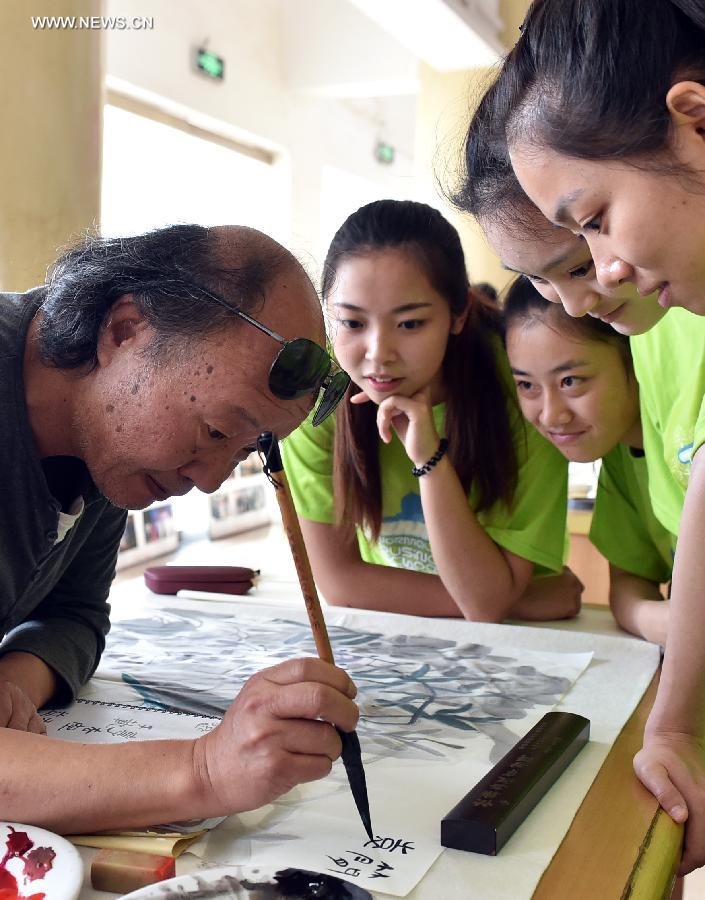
x,y
108,722
436,714
96,721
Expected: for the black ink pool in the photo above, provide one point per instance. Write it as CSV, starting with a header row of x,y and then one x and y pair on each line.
x,y
299,884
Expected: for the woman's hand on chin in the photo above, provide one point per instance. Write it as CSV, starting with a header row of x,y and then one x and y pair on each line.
x,y
412,419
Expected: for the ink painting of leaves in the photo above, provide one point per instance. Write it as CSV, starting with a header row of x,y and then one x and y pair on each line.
x,y
420,697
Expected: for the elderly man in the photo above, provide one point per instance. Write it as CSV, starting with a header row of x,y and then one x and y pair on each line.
x,y
146,366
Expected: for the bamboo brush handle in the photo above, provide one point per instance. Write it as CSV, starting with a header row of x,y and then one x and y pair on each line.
x,y
303,567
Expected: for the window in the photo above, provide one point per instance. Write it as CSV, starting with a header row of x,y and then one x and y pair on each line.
x,y
155,174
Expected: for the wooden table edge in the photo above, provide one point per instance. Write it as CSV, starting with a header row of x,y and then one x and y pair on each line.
x,y
620,844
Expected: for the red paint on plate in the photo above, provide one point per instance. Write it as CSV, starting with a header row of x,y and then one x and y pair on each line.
x,y
37,862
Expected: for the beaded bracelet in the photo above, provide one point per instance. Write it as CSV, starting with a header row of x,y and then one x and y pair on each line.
x,y
437,457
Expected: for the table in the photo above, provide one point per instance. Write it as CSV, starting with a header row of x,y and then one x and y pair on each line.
x,y
633,857
605,854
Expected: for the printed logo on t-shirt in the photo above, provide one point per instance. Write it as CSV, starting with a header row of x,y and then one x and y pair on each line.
x,y
680,452
403,539
685,454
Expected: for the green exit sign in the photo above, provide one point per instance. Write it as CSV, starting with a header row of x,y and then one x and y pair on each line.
x,y
210,64
384,153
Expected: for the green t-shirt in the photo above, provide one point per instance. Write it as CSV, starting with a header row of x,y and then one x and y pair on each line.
x,y
669,361
624,528
533,528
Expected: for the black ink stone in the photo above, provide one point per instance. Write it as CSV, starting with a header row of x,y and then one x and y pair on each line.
x,y
490,813
299,884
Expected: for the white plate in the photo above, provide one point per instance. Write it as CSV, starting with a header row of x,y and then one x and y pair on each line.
x,y
241,882
35,861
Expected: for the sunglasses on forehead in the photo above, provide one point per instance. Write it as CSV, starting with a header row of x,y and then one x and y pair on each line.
x,y
301,367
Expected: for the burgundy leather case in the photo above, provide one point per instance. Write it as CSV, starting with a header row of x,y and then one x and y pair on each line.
x,y
218,579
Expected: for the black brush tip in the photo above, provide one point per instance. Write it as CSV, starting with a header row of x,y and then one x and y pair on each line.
x,y
352,760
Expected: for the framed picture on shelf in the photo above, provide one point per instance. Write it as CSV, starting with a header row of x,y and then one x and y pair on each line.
x,y
239,505
148,533
249,498
220,506
158,523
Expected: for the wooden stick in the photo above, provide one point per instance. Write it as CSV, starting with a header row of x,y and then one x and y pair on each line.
x,y
292,527
351,753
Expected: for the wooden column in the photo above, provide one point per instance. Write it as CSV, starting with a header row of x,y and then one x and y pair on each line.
x,y
50,143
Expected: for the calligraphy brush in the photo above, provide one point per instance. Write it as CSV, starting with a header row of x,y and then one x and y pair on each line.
x,y
352,754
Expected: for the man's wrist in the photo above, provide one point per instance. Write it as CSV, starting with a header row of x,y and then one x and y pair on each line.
x,y
31,674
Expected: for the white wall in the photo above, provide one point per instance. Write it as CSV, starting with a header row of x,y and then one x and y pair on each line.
x,y
308,132
332,49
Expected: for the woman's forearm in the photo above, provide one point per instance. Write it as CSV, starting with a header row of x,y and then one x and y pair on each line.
x,y
638,606
550,597
680,701
346,580
482,579
386,589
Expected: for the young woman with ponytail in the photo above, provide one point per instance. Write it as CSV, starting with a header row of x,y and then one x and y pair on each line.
x,y
427,494
601,107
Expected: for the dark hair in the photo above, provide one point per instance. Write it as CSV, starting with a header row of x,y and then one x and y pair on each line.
x,y
589,78
487,186
488,291
477,420
166,271
524,304
487,181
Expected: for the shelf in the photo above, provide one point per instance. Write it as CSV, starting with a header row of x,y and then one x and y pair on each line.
x,y
239,505
243,522
134,555
148,533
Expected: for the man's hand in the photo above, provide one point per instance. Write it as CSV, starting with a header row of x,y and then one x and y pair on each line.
x,y
672,767
17,710
276,735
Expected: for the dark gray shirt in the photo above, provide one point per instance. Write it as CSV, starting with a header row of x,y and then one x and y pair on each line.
x,y
53,596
